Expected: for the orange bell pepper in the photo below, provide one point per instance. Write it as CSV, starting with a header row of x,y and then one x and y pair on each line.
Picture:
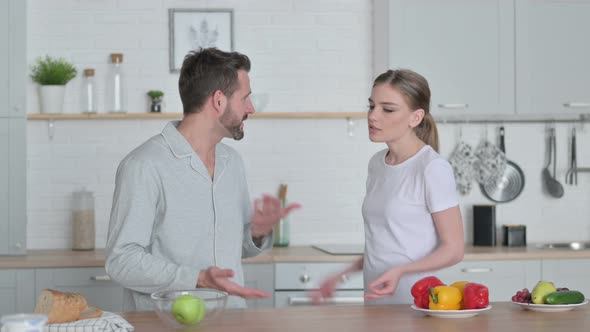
x,y
445,298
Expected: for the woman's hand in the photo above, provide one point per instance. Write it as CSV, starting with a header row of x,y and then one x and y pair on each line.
x,y
326,290
385,285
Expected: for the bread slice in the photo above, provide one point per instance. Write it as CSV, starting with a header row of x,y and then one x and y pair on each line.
x,y
91,312
60,307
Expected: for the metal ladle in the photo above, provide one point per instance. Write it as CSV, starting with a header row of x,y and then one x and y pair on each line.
x,y
554,188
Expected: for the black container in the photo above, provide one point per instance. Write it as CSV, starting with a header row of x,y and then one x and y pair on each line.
x,y
484,225
514,235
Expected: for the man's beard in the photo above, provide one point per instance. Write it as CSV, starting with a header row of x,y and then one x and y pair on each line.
x,y
232,123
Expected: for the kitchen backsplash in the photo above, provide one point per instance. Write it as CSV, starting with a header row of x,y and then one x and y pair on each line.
x,y
324,166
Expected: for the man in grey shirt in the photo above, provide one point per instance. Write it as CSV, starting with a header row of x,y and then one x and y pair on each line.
x,y
182,216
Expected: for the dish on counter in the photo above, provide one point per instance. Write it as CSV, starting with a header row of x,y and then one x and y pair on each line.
x,y
549,307
452,313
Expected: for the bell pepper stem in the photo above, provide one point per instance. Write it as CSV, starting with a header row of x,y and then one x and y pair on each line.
x,y
433,295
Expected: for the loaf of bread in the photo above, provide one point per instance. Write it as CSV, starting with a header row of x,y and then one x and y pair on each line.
x,y
63,307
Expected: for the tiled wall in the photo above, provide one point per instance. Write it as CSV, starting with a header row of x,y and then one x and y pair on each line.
x,y
308,56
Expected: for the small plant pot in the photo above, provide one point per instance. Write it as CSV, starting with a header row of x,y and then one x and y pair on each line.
x,y
156,107
51,98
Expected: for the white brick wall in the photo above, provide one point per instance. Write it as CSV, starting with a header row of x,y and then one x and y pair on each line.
x,y
309,56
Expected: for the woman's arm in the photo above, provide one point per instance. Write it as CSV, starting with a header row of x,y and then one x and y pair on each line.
x,y
449,226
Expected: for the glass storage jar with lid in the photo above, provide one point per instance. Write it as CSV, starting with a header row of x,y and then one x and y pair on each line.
x,y
83,231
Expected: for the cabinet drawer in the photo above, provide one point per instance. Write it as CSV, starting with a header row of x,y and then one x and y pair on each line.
x,y
503,278
310,275
91,282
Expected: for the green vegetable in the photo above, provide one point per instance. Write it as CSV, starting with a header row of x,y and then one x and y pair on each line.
x,y
565,297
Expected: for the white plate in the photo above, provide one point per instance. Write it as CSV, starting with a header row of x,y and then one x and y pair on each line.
x,y
452,313
549,307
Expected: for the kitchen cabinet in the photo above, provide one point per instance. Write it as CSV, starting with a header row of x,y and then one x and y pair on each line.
x,y
570,273
93,283
464,48
552,52
13,217
259,276
503,278
17,294
13,57
12,127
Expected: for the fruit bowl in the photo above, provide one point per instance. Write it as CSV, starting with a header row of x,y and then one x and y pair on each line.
x,y
185,309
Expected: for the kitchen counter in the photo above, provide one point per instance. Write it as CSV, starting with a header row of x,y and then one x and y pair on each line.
x,y
503,316
308,254
295,254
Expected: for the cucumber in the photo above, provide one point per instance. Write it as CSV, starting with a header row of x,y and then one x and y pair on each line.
x,y
565,297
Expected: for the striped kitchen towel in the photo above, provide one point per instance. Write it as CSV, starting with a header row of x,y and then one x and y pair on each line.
x,y
108,322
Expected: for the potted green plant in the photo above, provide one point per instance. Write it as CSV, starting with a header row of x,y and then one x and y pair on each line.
x,y
52,75
156,96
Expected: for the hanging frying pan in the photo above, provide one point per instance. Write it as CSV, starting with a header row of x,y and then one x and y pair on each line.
x,y
509,185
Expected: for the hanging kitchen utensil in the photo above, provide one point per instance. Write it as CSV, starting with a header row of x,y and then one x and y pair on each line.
x,y
571,177
509,185
552,186
490,163
462,160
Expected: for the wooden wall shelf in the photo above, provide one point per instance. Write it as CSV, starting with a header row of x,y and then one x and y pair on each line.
x,y
262,115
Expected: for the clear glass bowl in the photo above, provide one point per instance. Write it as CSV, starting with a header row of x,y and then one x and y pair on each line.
x,y
215,302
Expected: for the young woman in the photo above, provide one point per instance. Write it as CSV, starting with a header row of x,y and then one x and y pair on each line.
x,y
412,218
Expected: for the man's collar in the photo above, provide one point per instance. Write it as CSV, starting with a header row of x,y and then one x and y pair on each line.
x,y
179,146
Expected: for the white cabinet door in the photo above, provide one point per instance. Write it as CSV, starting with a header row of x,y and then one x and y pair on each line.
x,y
17,291
13,217
13,57
464,48
503,278
93,283
12,127
260,276
571,273
552,52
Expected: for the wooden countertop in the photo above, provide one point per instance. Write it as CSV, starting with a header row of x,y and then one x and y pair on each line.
x,y
503,316
296,254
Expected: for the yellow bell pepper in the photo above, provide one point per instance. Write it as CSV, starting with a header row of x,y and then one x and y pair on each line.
x,y
445,298
460,285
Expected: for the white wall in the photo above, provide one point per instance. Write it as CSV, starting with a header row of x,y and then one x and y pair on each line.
x,y
309,56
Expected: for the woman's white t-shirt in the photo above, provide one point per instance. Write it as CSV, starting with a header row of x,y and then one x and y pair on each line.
x,y
397,212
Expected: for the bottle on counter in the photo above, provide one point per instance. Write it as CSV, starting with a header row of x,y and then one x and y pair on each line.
x,y
88,97
83,220
115,86
281,229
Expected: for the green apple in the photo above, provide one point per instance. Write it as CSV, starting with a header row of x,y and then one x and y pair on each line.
x,y
188,309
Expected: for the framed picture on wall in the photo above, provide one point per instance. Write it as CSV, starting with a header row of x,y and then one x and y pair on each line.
x,y
191,29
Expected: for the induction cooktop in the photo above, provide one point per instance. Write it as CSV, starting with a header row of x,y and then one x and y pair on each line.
x,y
341,249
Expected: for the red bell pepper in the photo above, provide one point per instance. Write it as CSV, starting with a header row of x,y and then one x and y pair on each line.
x,y
475,296
420,290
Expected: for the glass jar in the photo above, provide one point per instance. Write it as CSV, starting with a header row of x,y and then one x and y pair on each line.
x,y
88,97
281,233
116,90
83,220
281,228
